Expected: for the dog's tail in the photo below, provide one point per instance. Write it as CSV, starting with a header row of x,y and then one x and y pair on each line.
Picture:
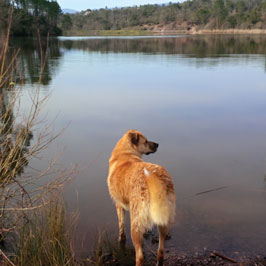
x,y
162,196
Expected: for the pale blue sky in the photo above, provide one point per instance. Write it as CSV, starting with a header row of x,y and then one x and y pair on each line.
x,y
95,4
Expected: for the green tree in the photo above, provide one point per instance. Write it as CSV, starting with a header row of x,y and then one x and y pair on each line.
x,y
219,11
4,5
30,15
53,12
232,21
241,6
264,4
202,15
255,16
66,22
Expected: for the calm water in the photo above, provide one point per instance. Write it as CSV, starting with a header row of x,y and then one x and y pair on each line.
x,y
202,98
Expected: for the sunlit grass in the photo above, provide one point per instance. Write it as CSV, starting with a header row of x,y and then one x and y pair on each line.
x,y
44,239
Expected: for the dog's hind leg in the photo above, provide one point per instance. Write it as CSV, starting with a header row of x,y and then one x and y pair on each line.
x,y
121,223
163,230
136,237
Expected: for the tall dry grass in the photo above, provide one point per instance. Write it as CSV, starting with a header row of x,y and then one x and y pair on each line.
x,y
32,214
44,239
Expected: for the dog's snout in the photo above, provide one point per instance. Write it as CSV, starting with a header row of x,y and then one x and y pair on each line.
x,y
154,146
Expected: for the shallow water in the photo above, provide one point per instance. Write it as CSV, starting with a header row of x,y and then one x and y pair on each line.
x,y
203,99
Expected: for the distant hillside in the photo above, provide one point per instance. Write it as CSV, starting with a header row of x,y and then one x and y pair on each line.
x,y
189,15
69,11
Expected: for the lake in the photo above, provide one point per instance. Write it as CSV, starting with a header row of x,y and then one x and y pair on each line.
x,y
202,98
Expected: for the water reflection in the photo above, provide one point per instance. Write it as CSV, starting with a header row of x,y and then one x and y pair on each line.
x,y
30,55
188,46
193,46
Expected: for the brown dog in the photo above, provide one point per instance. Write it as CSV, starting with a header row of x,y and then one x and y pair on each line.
x,y
143,188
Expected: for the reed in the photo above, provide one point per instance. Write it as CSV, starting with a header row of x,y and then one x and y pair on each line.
x,y
44,238
32,213
109,252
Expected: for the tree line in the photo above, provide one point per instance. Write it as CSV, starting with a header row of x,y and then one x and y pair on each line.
x,y
30,15
207,14
46,15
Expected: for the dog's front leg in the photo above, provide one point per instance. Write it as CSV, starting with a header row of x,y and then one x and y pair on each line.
x,y
121,224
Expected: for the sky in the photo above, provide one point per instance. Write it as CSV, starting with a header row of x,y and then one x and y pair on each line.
x,y
95,4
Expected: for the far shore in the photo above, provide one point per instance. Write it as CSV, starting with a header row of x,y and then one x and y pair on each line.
x,y
163,31
223,31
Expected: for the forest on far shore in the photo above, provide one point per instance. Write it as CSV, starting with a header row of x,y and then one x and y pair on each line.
x,y
46,16
202,14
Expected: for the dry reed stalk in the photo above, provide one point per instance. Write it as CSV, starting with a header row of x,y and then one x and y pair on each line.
x,y
24,195
6,258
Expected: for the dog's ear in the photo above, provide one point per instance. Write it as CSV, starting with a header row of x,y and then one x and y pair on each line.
x,y
134,137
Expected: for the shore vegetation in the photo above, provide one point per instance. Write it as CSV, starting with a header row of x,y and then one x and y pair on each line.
x,y
188,16
33,228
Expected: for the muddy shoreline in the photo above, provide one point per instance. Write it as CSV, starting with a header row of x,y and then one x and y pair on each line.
x,y
213,258
205,257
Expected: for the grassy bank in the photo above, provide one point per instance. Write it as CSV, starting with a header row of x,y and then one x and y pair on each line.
x,y
165,31
124,32
200,31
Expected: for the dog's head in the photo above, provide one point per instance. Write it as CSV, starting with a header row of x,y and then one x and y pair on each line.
x,y
140,143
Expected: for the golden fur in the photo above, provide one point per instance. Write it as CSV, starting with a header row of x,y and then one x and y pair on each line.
x,y
143,188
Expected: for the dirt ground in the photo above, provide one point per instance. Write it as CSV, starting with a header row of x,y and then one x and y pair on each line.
x,y
203,258
212,258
